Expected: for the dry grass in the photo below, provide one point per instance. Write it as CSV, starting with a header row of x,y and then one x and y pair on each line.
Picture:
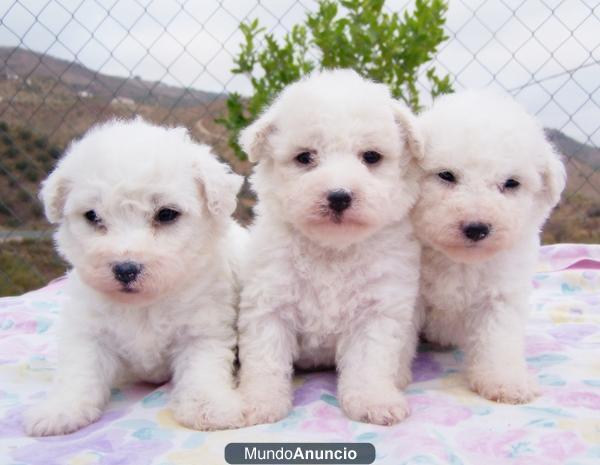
x,y
27,265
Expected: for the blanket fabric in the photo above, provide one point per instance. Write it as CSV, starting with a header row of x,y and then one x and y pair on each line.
x,y
448,423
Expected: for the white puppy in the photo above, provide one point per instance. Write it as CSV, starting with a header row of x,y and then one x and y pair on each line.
x,y
144,218
490,181
326,281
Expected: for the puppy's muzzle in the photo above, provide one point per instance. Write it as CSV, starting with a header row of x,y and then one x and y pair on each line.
x,y
126,272
476,231
339,200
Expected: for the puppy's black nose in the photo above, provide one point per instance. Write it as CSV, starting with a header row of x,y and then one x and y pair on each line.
x,y
476,231
339,200
126,272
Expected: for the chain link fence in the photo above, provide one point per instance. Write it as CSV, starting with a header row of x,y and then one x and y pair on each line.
x,y
68,64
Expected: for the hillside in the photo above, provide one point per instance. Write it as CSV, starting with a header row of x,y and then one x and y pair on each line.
x,y
61,100
582,179
47,102
567,145
26,158
17,62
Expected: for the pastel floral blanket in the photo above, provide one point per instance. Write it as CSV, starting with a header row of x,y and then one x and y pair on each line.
x,y
448,425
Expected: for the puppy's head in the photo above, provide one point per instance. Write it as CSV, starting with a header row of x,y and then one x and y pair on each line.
x,y
333,153
490,175
139,208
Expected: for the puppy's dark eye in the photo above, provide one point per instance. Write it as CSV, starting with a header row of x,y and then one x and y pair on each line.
x,y
511,184
304,158
371,157
447,176
92,217
166,215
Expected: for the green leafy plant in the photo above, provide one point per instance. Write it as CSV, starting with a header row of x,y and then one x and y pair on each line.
x,y
43,157
41,142
22,165
23,196
11,152
31,174
54,152
7,140
25,134
387,47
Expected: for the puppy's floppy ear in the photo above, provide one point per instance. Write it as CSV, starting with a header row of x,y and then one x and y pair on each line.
x,y
407,120
554,176
254,139
219,184
53,194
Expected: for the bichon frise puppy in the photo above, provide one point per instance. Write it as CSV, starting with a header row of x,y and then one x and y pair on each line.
x,y
490,181
326,280
144,219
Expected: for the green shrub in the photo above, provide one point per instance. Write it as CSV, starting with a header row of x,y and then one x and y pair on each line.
x,y
43,157
41,142
36,210
31,174
25,134
594,212
54,152
3,126
48,166
359,34
22,165
13,222
23,196
7,140
11,152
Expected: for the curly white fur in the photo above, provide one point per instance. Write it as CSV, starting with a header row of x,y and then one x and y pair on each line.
x,y
176,319
320,288
475,294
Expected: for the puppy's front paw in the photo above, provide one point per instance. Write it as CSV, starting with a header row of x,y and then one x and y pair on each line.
x,y
207,413
377,407
49,418
509,390
266,407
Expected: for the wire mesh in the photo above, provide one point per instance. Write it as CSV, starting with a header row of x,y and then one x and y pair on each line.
x,y
68,64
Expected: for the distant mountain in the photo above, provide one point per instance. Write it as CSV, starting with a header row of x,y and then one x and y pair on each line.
x,y
61,100
17,62
570,148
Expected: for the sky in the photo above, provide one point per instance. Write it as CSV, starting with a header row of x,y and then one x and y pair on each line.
x,y
544,52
